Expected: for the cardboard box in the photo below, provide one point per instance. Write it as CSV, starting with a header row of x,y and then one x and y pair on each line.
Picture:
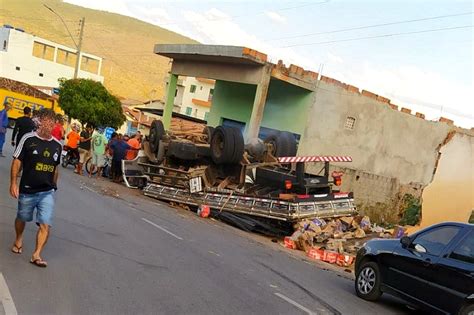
x,y
315,253
289,243
344,260
330,257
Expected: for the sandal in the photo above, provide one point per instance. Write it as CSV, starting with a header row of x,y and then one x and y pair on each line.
x,y
39,262
17,250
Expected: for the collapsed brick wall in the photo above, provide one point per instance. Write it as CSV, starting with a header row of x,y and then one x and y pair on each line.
x,y
395,152
379,197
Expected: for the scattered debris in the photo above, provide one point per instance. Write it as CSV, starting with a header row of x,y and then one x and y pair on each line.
x,y
336,241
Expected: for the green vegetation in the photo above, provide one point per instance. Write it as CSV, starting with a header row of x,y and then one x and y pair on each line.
x,y
90,103
130,68
412,210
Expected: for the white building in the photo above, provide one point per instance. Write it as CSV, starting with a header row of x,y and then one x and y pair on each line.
x,y
40,62
193,96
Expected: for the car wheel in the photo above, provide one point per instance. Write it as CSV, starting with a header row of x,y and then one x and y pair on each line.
x,y
367,283
467,310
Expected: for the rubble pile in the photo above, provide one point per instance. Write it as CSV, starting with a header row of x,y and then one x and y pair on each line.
x,y
338,240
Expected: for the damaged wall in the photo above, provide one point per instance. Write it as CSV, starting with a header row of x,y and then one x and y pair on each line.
x,y
450,197
394,153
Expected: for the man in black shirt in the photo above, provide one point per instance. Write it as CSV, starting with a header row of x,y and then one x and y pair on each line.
x,y
84,147
23,125
38,153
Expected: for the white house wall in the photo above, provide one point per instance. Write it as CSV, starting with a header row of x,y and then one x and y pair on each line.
x,y
19,53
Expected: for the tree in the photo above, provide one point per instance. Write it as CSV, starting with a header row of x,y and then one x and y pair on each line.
x,y
89,102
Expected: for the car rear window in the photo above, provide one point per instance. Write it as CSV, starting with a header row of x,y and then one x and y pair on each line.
x,y
434,241
465,250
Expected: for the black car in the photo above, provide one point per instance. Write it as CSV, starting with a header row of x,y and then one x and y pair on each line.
x,y
432,269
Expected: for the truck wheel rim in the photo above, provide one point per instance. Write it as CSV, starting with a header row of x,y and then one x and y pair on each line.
x,y
366,280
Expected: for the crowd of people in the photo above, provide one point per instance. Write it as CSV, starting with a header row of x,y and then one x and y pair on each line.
x,y
92,144
84,144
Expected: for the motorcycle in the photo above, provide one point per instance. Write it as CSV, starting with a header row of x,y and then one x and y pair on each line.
x,y
69,157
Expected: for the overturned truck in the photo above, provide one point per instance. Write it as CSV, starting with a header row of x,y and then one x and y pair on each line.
x,y
263,180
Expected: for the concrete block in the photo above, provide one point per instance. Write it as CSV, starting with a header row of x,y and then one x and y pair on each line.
x,y
369,94
352,88
383,99
420,115
310,75
293,68
446,120
406,110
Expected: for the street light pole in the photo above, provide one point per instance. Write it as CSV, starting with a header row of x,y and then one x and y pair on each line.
x,y
77,45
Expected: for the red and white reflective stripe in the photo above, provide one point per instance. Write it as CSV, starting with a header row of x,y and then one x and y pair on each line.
x,y
317,158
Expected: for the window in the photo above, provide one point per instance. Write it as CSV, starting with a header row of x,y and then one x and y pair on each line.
x,y
66,58
176,93
4,45
189,110
40,74
192,89
350,123
89,64
211,93
17,68
43,51
206,116
436,240
200,88
465,250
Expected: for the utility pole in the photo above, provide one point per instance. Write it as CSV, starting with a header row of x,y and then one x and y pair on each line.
x,y
79,45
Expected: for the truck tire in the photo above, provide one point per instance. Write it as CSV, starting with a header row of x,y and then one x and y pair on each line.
x,y
157,131
284,143
290,145
239,146
208,130
222,145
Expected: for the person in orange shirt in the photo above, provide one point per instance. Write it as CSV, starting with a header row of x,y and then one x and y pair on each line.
x,y
134,142
73,139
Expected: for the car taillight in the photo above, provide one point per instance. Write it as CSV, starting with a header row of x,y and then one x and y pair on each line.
x,y
288,184
337,177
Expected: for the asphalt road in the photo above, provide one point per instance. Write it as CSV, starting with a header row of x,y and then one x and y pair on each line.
x,y
129,254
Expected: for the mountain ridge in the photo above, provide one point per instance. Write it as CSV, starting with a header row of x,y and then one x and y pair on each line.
x,y
130,68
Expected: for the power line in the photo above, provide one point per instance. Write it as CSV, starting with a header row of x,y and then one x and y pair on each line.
x,y
380,36
371,26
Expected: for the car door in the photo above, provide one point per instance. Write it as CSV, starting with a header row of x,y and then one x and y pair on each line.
x,y
453,275
409,270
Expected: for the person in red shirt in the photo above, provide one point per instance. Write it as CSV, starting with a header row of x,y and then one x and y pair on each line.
x,y
58,130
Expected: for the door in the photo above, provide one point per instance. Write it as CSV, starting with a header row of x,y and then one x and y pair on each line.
x,y
453,275
410,270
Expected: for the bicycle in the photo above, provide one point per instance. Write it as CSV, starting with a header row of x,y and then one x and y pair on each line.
x,y
105,168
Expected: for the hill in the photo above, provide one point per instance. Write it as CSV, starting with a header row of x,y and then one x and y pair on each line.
x,y
130,68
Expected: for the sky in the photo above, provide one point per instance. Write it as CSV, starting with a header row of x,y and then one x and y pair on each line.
x,y
418,53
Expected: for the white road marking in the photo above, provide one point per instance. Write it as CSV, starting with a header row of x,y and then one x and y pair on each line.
x,y
6,298
301,307
162,228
